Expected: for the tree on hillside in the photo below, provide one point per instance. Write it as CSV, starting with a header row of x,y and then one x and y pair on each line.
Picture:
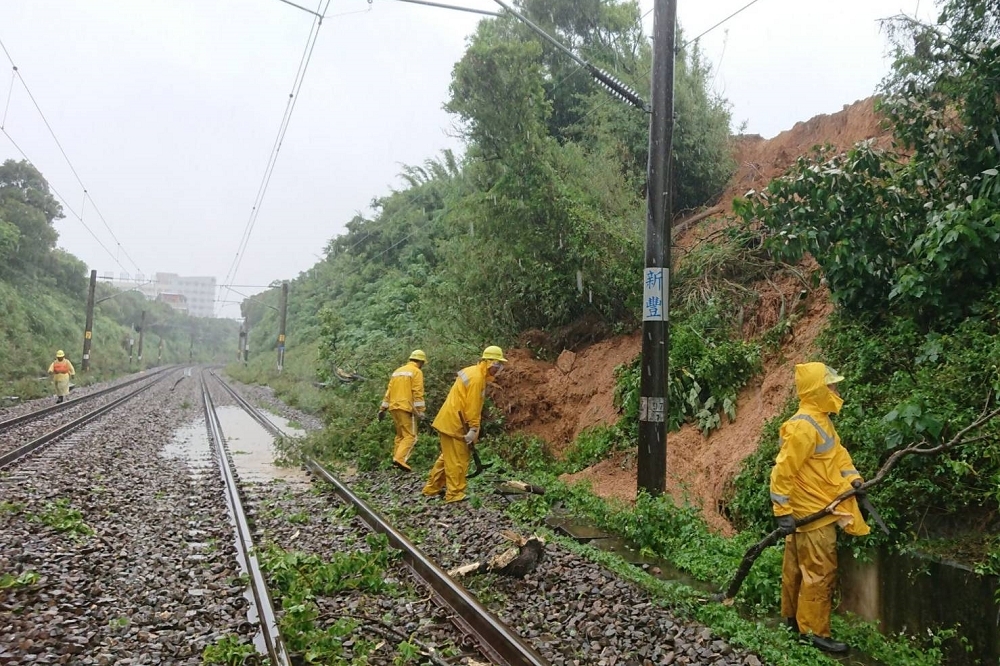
x,y
916,226
27,211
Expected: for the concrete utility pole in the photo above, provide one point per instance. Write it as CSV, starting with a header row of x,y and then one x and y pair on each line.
x,y
88,331
653,406
281,331
131,344
142,325
159,352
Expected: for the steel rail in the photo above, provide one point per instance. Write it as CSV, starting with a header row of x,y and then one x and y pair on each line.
x,y
45,411
22,451
266,617
496,640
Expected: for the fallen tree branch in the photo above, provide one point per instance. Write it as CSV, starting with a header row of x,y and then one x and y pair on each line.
x,y
381,627
923,447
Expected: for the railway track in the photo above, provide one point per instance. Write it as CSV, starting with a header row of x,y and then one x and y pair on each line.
x,y
20,451
494,639
110,551
70,404
267,622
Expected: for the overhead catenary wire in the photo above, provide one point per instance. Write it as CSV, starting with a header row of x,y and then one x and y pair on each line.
x,y
679,49
614,86
16,72
444,6
63,201
278,141
734,14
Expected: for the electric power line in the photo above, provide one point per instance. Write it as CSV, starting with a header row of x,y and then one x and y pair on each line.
x,y
738,11
276,148
62,199
17,73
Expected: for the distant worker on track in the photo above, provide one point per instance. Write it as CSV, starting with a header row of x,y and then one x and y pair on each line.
x,y
811,469
404,399
458,425
61,370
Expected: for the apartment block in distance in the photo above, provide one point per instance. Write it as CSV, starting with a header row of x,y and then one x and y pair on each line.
x,y
194,295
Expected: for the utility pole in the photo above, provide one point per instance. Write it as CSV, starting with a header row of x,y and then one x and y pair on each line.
x,y
131,344
88,331
241,354
653,405
281,331
142,325
191,348
159,352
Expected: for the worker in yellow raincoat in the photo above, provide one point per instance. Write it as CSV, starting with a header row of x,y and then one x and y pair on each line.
x,y
404,398
811,469
60,370
458,425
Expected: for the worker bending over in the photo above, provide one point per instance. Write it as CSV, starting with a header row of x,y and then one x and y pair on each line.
x,y
458,425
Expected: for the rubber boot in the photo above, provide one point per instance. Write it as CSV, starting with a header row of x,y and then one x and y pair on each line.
x,y
828,644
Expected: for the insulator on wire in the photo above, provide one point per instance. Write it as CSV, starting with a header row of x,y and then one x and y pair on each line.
x,y
618,88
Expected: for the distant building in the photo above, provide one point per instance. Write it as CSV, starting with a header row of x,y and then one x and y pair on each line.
x,y
197,293
176,301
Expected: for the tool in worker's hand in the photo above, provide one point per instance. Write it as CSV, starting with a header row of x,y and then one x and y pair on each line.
x,y
480,467
867,509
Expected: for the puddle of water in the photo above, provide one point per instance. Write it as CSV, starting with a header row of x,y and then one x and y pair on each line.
x,y
283,424
585,531
190,444
252,447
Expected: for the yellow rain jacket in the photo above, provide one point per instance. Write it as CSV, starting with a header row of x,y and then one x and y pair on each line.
x,y
812,466
466,397
406,390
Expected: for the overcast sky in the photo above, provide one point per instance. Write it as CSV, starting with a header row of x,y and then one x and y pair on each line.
x,y
168,110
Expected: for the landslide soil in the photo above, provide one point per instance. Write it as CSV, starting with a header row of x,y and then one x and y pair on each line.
x,y
555,401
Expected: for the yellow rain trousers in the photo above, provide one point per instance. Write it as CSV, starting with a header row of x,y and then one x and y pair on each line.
x,y
808,576
450,469
811,469
406,436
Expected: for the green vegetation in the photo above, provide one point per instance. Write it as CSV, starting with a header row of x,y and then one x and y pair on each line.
x,y
62,517
230,650
299,579
25,579
908,238
44,290
534,238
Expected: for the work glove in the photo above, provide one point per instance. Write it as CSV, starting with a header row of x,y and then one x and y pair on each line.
x,y
786,524
856,484
381,415
470,437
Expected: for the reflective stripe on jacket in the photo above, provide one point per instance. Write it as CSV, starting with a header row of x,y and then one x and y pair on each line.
x,y
465,400
405,390
812,466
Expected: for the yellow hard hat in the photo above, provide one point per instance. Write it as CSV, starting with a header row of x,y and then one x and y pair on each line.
x,y
832,376
493,353
60,353
418,355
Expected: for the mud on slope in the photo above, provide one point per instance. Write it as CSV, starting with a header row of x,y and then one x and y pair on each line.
x,y
555,404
